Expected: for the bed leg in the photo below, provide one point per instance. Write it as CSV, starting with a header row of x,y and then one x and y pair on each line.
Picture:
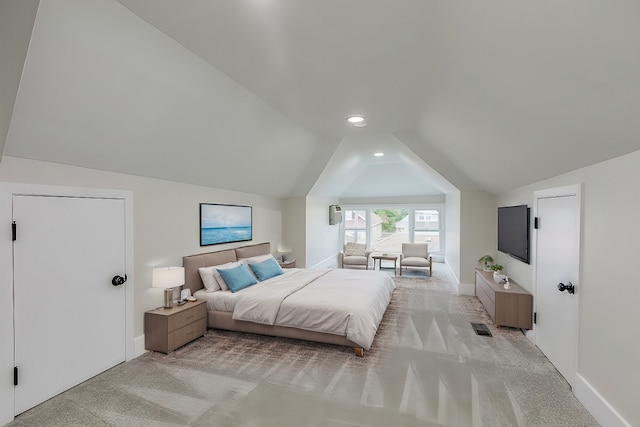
x,y
359,351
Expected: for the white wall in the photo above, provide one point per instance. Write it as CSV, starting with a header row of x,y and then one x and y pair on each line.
x,y
471,231
294,229
609,348
16,20
399,200
103,89
452,233
166,217
478,232
323,240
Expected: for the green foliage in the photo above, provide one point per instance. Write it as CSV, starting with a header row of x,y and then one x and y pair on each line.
x,y
486,260
390,217
497,267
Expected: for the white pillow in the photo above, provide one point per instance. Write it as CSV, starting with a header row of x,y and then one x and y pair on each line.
x,y
211,278
210,283
255,260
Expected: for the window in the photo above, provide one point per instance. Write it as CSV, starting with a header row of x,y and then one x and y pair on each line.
x,y
384,228
426,215
389,228
355,226
427,228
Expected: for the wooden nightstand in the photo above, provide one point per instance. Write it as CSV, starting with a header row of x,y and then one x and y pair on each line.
x,y
287,264
166,329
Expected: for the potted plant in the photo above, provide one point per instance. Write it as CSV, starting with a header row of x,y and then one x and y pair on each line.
x,y
498,273
486,261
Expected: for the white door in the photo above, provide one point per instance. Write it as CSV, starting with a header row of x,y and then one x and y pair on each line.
x,y
69,318
557,269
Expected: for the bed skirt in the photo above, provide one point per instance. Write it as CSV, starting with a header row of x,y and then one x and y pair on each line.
x,y
223,320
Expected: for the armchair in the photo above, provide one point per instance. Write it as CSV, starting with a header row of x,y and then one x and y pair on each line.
x,y
354,254
415,255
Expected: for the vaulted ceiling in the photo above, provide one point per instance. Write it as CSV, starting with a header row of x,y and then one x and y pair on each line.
x,y
485,95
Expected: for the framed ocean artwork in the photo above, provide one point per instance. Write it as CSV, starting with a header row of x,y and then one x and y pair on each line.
x,y
224,224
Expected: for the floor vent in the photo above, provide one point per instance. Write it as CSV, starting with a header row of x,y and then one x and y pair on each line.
x,y
481,329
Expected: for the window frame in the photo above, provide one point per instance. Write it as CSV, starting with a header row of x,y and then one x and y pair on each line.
x,y
344,229
412,208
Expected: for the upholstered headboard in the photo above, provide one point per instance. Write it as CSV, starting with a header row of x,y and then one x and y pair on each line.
x,y
191,263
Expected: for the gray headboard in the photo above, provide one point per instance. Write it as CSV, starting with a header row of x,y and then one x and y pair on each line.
x,y
191,263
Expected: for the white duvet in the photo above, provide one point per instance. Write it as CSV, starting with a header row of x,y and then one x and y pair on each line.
x,y
349,303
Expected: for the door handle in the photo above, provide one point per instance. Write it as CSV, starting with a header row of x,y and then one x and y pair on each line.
x,y
569,288
118,280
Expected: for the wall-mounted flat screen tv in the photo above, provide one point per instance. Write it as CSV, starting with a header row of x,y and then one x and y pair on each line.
x,y
513,231
224,224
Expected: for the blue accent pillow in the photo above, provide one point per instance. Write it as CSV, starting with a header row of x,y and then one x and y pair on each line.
x,y
266,269
237,278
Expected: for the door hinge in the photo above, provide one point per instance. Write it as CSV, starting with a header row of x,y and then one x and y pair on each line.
x,y
535,223
15,375
14,230
535,318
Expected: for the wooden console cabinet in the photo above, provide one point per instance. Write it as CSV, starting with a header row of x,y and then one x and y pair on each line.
x,y
166,329
507,307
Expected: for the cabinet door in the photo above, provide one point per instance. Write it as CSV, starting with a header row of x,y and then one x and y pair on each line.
x,y
486,296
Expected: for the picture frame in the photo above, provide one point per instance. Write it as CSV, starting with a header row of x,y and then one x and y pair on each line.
x,y
221,223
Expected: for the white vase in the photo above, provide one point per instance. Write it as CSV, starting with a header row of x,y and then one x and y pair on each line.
x,y
498,277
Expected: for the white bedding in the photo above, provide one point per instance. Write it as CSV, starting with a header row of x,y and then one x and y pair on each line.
x,y
344,302
226,300
218,300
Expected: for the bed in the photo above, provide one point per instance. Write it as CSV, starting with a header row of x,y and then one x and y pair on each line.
x,y
335,306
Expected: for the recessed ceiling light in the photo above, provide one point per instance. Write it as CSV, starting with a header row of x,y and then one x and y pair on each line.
x,y
378,154
355,119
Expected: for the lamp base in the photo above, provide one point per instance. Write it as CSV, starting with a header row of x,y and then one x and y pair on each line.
x,y
168,298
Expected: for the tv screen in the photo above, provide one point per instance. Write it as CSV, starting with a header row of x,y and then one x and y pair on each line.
x,y
513,231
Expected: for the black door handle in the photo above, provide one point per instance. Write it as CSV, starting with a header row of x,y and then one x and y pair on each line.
x,y
569,288
118,280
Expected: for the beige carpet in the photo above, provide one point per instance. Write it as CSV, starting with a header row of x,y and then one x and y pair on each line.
x,y
427,367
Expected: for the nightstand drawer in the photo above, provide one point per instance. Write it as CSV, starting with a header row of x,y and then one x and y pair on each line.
x,y
166,329
182,319
187,333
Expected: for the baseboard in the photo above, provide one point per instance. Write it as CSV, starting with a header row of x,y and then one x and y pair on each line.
x,y
531,334
462,288
330,262
138,346
455,276
598,407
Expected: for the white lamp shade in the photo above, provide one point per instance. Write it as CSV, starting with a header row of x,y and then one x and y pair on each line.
x,y
167,277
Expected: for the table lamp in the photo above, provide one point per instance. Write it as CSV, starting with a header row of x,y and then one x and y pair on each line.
x,y
168,278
